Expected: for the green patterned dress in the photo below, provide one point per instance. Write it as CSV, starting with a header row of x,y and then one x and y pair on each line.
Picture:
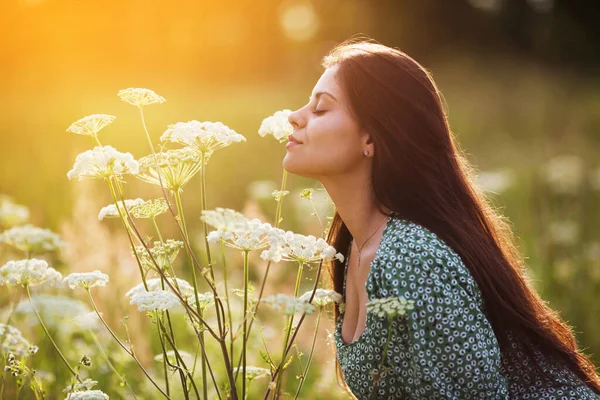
x,y
444,348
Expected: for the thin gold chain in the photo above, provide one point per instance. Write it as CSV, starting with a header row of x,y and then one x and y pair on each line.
x,y
370,236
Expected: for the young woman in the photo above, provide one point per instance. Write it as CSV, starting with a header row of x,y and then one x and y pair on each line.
x,y
412,224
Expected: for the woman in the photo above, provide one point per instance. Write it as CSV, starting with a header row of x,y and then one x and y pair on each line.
x,y
375,134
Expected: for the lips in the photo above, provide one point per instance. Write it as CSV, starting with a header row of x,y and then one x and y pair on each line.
x,y
292,138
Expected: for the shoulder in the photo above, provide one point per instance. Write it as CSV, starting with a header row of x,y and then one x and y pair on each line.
x,y
411,256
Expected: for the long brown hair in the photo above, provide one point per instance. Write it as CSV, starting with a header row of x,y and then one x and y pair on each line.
x,y
420,173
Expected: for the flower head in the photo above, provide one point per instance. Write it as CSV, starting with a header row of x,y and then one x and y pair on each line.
x,y
88,395
12,341
288,304
87,321
12,214
57,312
103,162
149,208
110,211
390,307
177,167
30,239
158,300
187,357
277,125
86,280
205,137
28,272
164,253
91,125
140,97
235,230
290,246
322,297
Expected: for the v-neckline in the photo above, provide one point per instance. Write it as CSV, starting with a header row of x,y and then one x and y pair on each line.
x,y
369,276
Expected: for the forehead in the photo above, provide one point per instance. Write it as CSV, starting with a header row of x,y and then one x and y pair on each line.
x,y
328,83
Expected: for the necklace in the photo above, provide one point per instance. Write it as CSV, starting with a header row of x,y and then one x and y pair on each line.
x,y
363,245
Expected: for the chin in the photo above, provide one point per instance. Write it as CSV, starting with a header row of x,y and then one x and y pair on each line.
x,y
294,167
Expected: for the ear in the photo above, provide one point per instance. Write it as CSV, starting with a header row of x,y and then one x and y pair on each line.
x,y
367,143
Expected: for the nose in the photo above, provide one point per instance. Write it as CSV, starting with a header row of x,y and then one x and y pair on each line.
x,y
295,119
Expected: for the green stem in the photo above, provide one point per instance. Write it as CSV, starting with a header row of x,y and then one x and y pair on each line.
x,y
164,351
157,230
228,304
385,350
97,140
128,351
112,367
312,349
48,334
245,337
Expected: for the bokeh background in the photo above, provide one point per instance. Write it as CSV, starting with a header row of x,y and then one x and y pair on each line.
x,y
521,80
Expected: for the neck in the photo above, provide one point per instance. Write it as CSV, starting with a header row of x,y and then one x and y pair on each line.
x,y
355,202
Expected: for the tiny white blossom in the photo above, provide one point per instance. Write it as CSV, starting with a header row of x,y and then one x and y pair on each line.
x,y
86,384
158,300
176,167
187,357
253,373
277,125
12,341
290,246
88,395
87,321
235,230
155,284
12,214
103,162
140,97
164,253
205,137
86,280
31,240
57,312
288,305
28,272
110,211
91,125
390,307
149,208
322,297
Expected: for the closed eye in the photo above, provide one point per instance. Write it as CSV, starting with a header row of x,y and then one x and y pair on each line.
x,y
319,112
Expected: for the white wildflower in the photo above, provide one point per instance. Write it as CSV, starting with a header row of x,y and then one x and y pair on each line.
x,y
240,293
110,211
205,137
322,297
103,162
31,240
177,167
288,304
57,312
154,284
390,307
12,214
140,97
253,373
88,395
290,246
205,300
235,230
28,272
86,384
87,321
158,300
149,208
188,358
91,125
164,253
277,125
12,341
86,280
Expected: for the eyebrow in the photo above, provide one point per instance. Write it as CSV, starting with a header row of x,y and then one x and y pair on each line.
x,y
318,94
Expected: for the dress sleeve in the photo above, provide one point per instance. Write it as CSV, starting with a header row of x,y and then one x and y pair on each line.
x,y
444,347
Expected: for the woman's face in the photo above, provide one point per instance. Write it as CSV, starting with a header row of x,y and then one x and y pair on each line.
x,y
331,142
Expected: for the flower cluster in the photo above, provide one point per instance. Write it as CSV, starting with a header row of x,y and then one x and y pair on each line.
x,y
390,307
31,240
110,211
139,295
91,125
322,297
187,357
157,300
12,341
176,167
57,312
305,249
149,208
164,253
205,137
28,272
103,162
140,97
86,280
87,321
12,214
288,305
253,373
87,395
277,125
235,230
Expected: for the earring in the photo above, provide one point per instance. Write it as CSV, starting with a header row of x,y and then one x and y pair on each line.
x,y
366,152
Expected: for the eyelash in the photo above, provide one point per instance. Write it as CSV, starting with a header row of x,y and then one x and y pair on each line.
x,y
319,112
